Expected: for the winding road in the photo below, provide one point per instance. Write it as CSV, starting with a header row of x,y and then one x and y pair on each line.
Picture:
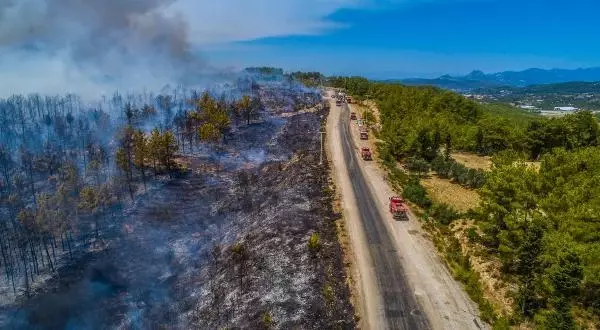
x,y
402,283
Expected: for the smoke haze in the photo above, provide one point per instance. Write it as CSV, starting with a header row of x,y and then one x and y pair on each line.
x,y
93,47
90,46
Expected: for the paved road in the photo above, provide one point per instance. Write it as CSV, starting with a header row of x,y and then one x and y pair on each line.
x,y
400,307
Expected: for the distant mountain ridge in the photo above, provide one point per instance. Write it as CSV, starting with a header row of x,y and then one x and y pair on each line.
x,y
479,79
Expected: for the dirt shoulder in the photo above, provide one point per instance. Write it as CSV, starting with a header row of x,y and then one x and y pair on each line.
x,y
443,299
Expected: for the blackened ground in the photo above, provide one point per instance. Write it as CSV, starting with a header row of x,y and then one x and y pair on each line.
x,y
208,251
270,276
133,283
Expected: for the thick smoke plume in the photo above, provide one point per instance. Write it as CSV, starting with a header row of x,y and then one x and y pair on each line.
x,y
57,46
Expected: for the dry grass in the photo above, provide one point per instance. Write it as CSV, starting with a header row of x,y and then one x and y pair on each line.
x,y
444,191
473,161
495,289
370,104
359,109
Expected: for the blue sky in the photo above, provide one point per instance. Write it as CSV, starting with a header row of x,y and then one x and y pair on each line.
x,y
385,39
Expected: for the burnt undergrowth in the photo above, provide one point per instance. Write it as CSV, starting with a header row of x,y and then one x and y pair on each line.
x,y
221,245
269,276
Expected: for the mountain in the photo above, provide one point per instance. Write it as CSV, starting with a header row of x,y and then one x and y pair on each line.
x,y
566,88
449,82
478,79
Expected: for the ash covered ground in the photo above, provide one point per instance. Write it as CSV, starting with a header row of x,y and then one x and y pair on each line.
x,y
222,246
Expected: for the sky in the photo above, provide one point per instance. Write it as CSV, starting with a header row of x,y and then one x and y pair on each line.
x,y
425,38
57,46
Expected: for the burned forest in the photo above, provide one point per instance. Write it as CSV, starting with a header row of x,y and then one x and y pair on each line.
x,y
176,209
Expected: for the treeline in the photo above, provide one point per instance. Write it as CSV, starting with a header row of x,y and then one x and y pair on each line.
x,y
265,70
417,121
309,79
448,168
542,224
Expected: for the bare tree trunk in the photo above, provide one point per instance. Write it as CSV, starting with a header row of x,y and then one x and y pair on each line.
x,y
34,259
69,245
5,259
129,179
12,279
32,184
48,256
53,244
41,251
143,170
24,258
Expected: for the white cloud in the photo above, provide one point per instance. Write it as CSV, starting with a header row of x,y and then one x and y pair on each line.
x,y
240,20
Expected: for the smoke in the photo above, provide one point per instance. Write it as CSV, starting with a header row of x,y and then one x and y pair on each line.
x,y
93,46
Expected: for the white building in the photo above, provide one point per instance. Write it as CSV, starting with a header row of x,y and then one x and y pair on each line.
x,y
569,109
528,107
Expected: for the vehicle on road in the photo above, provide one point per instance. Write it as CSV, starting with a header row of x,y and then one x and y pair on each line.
x,y
349,100
353,115
338,103
364,133
398,207
365,153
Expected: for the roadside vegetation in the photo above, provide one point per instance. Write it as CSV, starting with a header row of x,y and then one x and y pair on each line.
x,y
540,223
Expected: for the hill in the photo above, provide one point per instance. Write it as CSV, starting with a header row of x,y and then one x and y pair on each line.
x,y
584,95
573,87
534,76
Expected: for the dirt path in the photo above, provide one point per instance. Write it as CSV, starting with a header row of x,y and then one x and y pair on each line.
x,y
442,299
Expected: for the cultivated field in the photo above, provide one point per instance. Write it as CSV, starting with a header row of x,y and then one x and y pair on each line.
x,y
444,191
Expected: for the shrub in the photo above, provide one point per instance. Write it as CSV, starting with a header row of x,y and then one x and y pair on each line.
x,y
441,166
314,243
463,175
478,179
473,236
328,294
414,192
267,320
369,117
418,165
444,213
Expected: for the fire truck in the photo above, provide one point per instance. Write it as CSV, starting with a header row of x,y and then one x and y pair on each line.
x,y
398,207
365,153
